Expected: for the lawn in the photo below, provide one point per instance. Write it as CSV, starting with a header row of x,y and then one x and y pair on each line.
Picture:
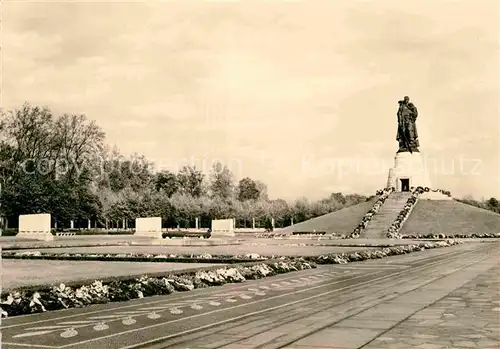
x,y
264,250
17,272
341,222
450,217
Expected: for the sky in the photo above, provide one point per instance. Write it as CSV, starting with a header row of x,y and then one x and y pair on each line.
x,y
301,95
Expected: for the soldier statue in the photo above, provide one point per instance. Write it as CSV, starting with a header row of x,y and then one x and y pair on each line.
x,y
407,130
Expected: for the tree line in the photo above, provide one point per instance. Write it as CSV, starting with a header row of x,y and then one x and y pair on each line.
x,y
491,204
60,164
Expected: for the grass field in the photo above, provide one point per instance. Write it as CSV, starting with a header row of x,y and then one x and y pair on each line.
x,y
343,221
12,241
17,273
250,244
447,217
265,250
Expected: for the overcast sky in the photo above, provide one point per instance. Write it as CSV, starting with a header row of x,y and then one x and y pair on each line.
x,y
299,94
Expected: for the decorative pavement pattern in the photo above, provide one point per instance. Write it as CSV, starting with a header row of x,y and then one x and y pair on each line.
x,y
375,304
95,323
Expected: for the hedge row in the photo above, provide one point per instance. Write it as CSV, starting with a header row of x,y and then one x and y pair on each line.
x,y
342,258
133,257
452,236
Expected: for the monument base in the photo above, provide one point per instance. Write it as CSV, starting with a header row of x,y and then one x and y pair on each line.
x,y
40,236
222,233
149,234
409,171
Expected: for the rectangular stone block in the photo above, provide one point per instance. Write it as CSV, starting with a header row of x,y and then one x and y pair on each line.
x,y
149,227
35,226
222,227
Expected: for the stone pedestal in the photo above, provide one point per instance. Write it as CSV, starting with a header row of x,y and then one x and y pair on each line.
x,y
148,227
35,235
222,228
409,168
35,226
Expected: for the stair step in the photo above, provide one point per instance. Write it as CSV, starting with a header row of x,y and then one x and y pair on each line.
x,y
389,211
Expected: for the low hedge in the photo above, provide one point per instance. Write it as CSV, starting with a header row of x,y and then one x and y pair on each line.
x,y
180,234
452,236
86,232
343,258
14,231
309,233
9,232
226,259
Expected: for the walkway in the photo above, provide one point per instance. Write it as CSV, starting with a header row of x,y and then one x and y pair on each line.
x,y
381,221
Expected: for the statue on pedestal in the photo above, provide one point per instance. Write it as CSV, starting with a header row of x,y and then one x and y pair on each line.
x,y
407,130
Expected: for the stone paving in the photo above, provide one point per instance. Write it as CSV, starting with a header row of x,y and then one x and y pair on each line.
x,y
345,321
446,298
466,317
469,317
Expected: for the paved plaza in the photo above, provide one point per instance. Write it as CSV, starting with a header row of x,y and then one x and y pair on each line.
x,y
440,298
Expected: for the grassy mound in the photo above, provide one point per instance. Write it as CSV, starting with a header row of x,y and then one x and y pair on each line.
x,y
343,221
450,217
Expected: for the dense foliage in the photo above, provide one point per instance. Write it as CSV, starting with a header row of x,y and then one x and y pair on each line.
x,y
61,165
491,204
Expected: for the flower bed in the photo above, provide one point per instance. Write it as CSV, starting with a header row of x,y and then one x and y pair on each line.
x,y
309,232
383,194
331,236
29,301
343,258
444,192
452,236
134,257
184,234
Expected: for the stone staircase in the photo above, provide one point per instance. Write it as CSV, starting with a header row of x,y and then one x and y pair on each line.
x,y
378,225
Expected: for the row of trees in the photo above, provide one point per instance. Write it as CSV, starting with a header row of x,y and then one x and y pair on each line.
x,y
61,165
490,204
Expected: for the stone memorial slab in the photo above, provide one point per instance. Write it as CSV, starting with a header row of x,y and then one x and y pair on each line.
x,y
35,226
222,227
149,227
